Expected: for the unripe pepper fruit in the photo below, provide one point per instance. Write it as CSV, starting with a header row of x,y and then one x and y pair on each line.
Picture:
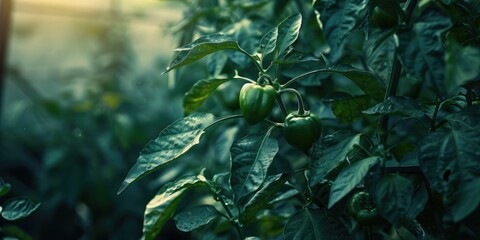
x,y
361,208
256,101
302,130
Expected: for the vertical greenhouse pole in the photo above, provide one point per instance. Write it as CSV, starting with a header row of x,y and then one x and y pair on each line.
x,y
5,16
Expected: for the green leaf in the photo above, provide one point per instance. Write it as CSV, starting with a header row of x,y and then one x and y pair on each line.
x,y
268,42
202,47
15,232
421,50
199,92
380,58
251,157
270,188
347,108
393,197
450,159
397,105
172,142
17,208
4,187
288,31
365,80
349,178
162,207
338,19
196,217
313,224
323,160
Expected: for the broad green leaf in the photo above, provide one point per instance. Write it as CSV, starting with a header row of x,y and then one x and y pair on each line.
x,y
202,47
323,160
251,157
288,31
162,207
450,159
268,42
365,80
380,58
421,50
348,109
393,197
14,232
4,187
269,189
172,142
338,19
17,208
349,178
199,92
397,105
313,224
196,217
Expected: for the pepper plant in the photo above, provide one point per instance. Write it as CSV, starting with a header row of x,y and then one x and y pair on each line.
x,y
351,119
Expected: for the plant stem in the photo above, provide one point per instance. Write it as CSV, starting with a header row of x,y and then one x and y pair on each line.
x,y
257,64
395,76
237,227
434,116
244,79
391,91
304,75
301,105
222,119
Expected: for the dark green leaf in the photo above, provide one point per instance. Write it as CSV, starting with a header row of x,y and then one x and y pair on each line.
x,y
348,109
268,42
313,224
450,160
199,92
349,178
288,31
172,142
397,105
393,196
17,208
272,185
325,159
4,187
202,47
367,81
251,157
338,19
196,217
421,50
162,207
380,58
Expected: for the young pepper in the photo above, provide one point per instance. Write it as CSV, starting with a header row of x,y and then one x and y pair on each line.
x,y
361,207
256,101
302,130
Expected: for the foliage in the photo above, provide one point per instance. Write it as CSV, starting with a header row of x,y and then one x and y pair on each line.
x,y
400,121
14,209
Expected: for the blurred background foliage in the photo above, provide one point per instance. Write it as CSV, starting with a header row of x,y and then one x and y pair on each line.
x,y
82,94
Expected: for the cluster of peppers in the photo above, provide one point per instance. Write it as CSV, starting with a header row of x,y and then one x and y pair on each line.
x,y
301,128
